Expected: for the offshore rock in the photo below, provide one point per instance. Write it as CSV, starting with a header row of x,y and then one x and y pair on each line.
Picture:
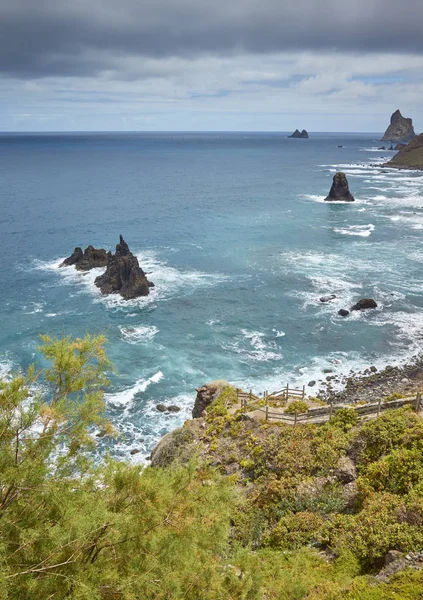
x,y
91,258
340,190
364,304
343,312
299,134
400,129
124,275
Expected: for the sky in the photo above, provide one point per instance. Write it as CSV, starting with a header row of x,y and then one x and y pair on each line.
x,y
209,65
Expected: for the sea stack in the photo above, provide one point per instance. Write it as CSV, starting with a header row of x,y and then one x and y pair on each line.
x,y
91,258
299,134
400,129
339,191
124,275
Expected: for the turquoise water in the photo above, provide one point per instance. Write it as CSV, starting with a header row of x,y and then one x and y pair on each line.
x,y
233,230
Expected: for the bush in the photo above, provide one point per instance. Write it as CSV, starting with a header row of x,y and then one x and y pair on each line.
x,y
297,407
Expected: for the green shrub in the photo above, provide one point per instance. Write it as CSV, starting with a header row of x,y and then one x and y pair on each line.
x,y
297,407
345,418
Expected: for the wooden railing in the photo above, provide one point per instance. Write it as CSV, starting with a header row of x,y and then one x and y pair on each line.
x,y
249,402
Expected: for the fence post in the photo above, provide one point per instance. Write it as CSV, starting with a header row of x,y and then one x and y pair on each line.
x,y
287,391
378,406
418,400
303,392
295,419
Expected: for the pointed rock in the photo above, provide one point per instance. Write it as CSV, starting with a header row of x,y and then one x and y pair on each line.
x,y
400,129
124,275
340,190
91,258
297,134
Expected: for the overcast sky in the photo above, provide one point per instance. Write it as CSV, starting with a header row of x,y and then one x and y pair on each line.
x,y
249,65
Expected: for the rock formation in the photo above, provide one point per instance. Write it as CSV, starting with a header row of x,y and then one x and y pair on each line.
x,y
206,395
124,275
400,129
410,156
364,304
400,146
340,190
91,258
297,134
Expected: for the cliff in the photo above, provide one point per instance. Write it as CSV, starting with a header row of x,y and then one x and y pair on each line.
x,y
411,156
400,129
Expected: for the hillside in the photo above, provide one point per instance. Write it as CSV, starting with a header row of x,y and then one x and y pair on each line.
x,y
410,157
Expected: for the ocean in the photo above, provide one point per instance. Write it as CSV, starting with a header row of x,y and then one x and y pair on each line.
x,y
233,231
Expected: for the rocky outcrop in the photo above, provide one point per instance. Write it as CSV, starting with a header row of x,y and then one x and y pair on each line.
x,y
346,471
124,275
410,156
343,312
364,304
91,258
400,146
299,134
340,190
206,395
400,129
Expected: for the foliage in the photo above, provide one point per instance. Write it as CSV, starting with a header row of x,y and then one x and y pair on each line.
x,y
345,418
296,407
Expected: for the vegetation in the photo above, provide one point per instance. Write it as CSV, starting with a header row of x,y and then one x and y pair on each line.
x,y
244,509
296,407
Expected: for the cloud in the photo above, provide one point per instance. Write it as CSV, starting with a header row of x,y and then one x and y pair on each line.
x,y
41,38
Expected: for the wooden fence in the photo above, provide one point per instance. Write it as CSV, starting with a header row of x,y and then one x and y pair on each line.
x,y
249,403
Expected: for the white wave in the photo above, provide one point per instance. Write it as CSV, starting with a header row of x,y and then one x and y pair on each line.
x,y
358,230
33,308
168,280
134,335
279,334
126,396
6,367
257,350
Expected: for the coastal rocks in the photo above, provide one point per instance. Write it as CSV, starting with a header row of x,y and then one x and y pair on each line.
x,y
299,134
340,190
311,383
327,298
364,304
343,312
400,129
400,146
171,408
91,258
123,275
206,395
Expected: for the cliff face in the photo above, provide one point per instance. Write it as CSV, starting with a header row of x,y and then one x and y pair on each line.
x,y
409,157
400,129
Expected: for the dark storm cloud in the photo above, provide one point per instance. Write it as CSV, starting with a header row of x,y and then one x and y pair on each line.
x,y
84,37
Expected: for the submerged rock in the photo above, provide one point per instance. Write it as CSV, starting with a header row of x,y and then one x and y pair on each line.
x,y
340,190
343,312
364,304
327,298
400,129
91,258
299,134
124,275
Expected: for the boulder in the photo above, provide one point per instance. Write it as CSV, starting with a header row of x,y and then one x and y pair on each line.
x,y
364,304
173,408
311,383
340,190
346,471
123,275
343,312
400,129
206,395
327,298
161,407
299,134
